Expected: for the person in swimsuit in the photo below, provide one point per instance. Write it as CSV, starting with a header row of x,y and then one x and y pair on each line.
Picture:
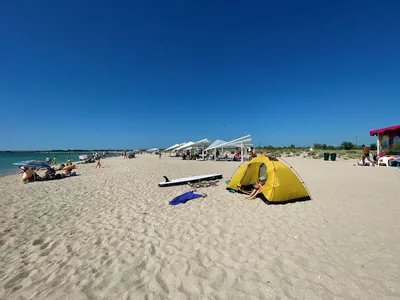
x,y
258,187
98,163
366,155
252,153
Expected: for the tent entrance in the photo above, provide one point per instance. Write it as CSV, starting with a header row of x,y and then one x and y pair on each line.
x,y
250,178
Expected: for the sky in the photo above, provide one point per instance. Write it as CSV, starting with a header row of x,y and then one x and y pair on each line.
x,y
143,74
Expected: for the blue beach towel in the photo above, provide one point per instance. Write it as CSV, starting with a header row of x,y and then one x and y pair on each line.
x,y
184,198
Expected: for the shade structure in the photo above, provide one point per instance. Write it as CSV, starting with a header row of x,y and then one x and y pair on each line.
x,y
201,144
282,183
241,142
173,147
244,140
215,145
184,146
152,150
32,163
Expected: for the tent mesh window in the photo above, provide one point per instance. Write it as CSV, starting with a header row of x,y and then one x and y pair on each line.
x,y
262,172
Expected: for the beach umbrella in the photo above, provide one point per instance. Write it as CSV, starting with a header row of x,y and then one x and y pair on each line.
x,y
33,164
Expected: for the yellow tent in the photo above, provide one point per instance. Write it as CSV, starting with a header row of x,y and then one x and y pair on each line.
x,y
282,184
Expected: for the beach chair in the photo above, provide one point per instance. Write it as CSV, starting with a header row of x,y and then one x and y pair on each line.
x,y
388,160
384,160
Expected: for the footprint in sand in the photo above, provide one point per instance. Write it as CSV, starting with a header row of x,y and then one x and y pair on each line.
x,y
37,242
13,281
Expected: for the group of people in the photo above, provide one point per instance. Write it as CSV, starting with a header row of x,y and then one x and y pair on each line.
x,y
30,174
49,160
128,154
216,156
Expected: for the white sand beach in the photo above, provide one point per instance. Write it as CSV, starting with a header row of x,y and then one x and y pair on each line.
x,y
111,234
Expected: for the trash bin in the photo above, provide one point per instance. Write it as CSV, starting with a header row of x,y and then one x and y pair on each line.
x,y
333,156
326,156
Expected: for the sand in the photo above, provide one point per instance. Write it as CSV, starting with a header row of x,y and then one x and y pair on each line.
x,y
110,234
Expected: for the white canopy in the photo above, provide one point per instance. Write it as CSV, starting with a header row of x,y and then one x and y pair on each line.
x,y
241,142
173,147
193,145
152,150
201,143
244,140
215,145
187,145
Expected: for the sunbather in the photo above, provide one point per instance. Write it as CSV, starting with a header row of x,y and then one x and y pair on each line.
x,y
50,173
258,187
29,175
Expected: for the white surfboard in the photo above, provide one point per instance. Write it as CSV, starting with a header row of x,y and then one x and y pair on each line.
x,y
189,179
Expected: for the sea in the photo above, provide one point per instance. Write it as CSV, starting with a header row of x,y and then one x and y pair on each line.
x,y
8,158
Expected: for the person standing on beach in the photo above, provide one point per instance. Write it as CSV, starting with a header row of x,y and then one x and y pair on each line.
x,y
55,160
98,163
252,153
366,156
48,160
159,155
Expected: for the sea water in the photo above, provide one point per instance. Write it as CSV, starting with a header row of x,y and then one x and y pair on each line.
x,y
8,158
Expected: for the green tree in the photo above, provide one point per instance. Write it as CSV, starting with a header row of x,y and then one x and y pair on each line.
x,y
347,145
373,146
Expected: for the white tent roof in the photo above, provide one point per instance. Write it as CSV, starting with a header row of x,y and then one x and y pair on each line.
x,y
238,142
185,146
173,147
215,145
198,144
152,150
202,143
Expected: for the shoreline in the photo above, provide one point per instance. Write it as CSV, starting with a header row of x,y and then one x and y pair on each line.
x,y
6,162
74,163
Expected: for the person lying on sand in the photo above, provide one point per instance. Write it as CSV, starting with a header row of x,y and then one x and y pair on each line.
x,y
258,187
50,173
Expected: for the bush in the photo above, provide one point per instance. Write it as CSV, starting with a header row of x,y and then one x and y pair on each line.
x,y
347,145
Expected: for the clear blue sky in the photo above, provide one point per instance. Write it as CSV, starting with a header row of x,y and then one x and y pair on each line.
x,y
128,74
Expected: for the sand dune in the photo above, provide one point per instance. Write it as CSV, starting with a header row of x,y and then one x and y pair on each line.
x,y
110,234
